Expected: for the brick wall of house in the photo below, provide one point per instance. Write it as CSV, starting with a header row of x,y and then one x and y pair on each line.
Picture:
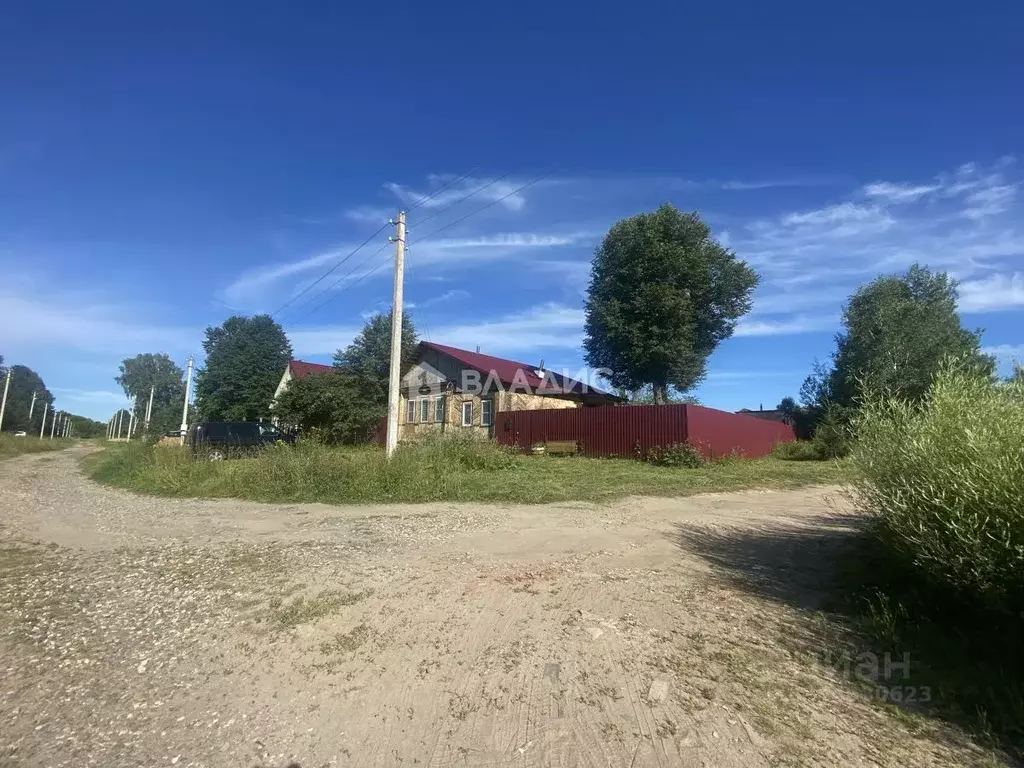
x,y
452,423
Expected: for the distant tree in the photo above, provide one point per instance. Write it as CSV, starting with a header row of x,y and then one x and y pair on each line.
x,y
245,358
897,330
334,407
662,295
368,356
788,408
25,381
139,374
84,427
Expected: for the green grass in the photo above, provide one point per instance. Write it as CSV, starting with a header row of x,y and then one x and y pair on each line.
x,y
11,446
438,470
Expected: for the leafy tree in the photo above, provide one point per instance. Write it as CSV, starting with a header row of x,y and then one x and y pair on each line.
x,y
159,372
25,381
368,356
335,407
897,332
245,359
662,295
645,396
787,406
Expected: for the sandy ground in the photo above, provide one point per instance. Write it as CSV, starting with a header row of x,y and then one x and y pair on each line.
x,y
138,631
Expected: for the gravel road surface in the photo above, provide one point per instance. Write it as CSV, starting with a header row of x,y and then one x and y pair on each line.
x,y
139,631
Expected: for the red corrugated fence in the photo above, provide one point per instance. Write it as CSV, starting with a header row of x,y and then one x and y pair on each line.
x,y
633,430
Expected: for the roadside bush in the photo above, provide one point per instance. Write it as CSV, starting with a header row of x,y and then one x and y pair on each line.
x,y
797,450
943,482
685,455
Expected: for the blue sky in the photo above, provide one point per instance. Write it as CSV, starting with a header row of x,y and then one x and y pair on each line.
x,y
163,166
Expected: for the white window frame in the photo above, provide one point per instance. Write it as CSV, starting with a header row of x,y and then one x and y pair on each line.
x,y
424,410
410,411
439,409
467,422
486,409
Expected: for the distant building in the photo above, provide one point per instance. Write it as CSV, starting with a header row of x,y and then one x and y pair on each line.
x,y
298,369
446,388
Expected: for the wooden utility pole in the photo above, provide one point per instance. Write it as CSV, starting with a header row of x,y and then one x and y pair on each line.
x,y
188,391
149,409
3,403
395,371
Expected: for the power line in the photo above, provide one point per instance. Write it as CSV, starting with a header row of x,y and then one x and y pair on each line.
x,y
329,271
482,209
341,280
446,187
466,197
365,275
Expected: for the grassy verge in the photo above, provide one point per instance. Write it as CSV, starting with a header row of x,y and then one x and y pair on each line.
x,y
444,470
11,446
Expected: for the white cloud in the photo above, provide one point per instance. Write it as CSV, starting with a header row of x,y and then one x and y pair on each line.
x,y
369,214
990,200
843,220
30,322
1005,352
992,293
544,326
753,326
263,285
899,193
482,190
445,297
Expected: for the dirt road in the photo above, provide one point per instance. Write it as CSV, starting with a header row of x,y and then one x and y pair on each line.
x,y
137,631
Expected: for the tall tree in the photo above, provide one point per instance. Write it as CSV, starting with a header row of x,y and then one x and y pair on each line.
x,y
368,357
663,294
245,358
25,381
897,330
159,372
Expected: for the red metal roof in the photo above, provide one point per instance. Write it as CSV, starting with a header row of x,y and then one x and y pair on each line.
x,y
301,369
507,372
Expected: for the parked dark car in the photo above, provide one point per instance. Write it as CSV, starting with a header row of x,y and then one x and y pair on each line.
x,y
218,440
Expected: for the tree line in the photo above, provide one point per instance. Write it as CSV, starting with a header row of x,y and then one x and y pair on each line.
x,y
22,414
663,294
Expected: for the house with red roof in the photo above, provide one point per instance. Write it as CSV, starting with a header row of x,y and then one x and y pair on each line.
x,y
299,369
450,389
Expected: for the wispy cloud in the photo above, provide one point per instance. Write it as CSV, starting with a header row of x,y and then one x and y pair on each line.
x,y
992,293
754,326
445,297
29,322
545,326
900,193
1005,352
482,189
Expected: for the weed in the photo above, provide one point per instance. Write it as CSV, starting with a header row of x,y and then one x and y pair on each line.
x,y
436,470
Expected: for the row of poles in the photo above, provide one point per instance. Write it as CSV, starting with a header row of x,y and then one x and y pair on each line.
x,y
64,420
117,420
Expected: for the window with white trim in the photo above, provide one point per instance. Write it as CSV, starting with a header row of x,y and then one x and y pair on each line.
x,y
410,411
486,412
439,409
424,410
467,413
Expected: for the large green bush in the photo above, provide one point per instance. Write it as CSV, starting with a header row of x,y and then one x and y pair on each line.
x,y
941,572
945,480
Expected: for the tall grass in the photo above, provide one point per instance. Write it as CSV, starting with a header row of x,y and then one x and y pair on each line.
x,y
11,446
438,469
943,482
